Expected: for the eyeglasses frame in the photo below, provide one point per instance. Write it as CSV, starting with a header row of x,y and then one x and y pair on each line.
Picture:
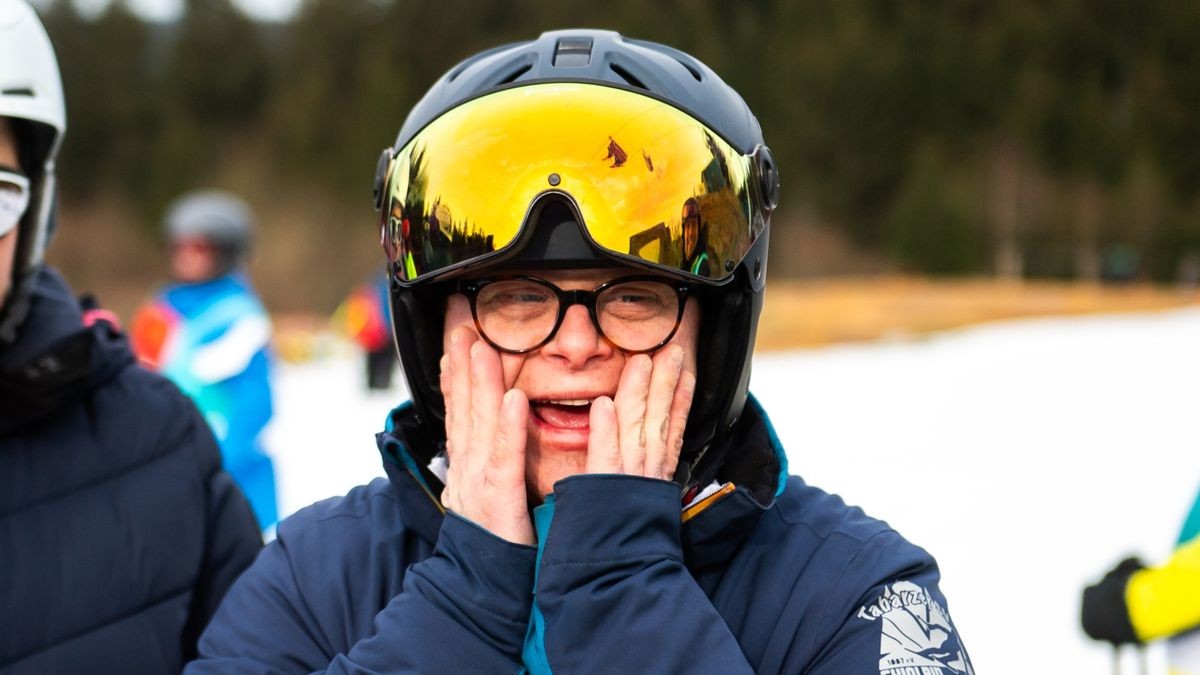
x,y
568,298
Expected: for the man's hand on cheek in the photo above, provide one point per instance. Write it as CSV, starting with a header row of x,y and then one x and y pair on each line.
x,y
640,433
485,440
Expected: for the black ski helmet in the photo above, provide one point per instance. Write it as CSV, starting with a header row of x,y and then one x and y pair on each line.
x,y
729,308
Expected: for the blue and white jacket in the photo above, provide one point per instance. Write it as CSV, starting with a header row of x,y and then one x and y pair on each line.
x,y
622,581
213,340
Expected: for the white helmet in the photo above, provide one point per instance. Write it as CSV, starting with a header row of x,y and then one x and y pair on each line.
x,y
31,93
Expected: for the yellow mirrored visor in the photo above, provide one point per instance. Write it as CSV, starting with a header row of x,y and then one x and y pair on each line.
x,y
651,183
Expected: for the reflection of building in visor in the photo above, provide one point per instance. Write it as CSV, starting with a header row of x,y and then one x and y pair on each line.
x,y
14,199
640,173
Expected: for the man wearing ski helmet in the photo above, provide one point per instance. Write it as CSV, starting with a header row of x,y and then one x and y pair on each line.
x,y
120,533
581,482
209,334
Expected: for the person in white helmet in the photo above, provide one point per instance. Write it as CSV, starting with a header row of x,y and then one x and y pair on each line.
x,y
119,530
208,332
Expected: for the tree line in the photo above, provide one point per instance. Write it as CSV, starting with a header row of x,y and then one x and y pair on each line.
x,y
1022,138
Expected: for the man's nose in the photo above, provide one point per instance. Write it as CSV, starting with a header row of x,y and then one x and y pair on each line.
x,y
577,340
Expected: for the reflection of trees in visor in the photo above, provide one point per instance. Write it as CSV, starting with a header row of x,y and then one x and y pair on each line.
x,y
429,238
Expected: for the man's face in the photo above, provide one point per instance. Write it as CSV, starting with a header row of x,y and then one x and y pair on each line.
x,y
193,260
691,235
8,243
577,363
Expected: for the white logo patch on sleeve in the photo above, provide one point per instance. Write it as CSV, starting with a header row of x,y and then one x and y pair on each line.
x,y
916,636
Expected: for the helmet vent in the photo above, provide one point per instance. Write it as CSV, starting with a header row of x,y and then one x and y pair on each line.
x,y
691,69
24,91
627,76
518,72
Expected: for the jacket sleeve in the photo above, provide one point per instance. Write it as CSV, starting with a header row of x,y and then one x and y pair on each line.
x,y
1165,600
887,615
613,593
463,609
231,536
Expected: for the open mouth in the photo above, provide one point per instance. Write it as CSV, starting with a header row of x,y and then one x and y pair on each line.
x,y
563,413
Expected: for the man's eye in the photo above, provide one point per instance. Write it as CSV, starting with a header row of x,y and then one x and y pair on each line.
x,y
515,296
637,299
523,298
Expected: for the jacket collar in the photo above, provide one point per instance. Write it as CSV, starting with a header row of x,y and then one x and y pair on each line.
x,y
55,359
417,488
757,469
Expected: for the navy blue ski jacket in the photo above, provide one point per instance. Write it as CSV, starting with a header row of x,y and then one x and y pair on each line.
x,y
783,580
119,532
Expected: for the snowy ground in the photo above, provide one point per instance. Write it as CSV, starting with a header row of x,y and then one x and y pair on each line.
x,y
1027,457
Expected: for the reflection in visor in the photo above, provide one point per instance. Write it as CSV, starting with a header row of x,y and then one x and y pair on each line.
x,y
650,182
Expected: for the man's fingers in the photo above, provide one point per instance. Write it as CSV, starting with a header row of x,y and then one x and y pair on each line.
x,y
485,439
487,389
681,405
444,380
507,460
630,403
458,398
664,382
604,452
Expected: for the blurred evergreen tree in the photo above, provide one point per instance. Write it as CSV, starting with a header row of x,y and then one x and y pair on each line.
x,y
885,117
105,84
210,88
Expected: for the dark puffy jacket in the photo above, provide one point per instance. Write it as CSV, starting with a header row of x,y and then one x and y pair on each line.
x,y
786,579
119,532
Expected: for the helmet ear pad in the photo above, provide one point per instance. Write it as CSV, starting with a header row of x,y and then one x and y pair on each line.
x,y
729,319
418,324
35,140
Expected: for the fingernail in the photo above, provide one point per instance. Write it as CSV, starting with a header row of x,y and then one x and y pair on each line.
x,y
677,358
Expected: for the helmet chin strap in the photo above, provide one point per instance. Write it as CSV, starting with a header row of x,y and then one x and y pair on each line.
x,y
16,306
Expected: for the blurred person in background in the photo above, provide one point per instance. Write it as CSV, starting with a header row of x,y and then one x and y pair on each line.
x,y
1134,604
365,318
581,482
208,332
119,532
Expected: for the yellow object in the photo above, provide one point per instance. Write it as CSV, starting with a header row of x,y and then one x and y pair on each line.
x,y
638,170
695,509
1165,600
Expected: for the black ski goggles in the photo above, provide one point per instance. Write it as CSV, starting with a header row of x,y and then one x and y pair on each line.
x,y
649,182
